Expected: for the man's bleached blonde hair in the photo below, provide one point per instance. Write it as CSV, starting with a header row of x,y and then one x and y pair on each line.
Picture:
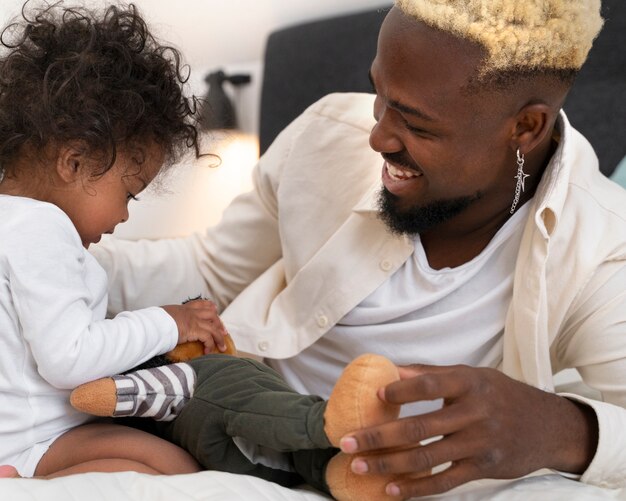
x,y
518,35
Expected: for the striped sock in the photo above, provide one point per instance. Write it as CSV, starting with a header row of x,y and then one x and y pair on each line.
x,y
159,393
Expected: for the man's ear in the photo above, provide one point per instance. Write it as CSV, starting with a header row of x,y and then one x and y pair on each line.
x,y
533,122
71,162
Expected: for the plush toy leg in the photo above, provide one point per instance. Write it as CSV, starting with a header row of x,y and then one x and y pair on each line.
x,y
149,392
354,404
159,393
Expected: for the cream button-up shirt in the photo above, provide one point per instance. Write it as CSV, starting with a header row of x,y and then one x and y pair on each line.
x,y
291,258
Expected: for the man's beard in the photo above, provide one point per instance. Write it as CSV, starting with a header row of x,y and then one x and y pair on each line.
x,y
419,219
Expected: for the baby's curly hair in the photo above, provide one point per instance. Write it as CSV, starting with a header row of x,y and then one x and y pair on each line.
x,y
69,73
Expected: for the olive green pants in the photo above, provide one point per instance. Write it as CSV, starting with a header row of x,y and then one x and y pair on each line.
x,y
237,397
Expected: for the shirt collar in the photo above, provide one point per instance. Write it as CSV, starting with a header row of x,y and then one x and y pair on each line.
x,y
369,201
552,190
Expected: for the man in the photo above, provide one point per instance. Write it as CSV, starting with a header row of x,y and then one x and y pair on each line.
x,y
493,257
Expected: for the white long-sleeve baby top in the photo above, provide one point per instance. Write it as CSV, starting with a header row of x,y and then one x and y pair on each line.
x,y
53,332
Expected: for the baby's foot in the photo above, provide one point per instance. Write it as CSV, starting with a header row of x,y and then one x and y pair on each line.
x,y
7,471
159,393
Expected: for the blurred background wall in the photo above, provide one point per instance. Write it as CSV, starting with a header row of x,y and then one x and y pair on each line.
x,y
212,34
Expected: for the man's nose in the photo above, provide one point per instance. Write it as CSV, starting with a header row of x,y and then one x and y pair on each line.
x,y
383,136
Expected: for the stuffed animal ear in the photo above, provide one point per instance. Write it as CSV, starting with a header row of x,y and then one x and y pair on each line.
x,y
195,349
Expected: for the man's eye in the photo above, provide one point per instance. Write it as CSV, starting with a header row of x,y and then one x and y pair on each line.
x,y
416,130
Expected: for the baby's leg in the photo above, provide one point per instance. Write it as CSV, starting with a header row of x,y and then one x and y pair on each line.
x,y
103,447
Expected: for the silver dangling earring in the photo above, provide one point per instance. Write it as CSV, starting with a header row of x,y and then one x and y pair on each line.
x,y
521,179
1,174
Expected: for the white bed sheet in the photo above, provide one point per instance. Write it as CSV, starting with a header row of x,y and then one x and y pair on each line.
x,y
218,486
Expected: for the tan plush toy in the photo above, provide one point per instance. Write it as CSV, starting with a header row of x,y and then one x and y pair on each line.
x,y
353,405
195,349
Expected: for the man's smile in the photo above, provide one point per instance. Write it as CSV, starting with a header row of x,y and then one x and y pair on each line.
x,y
400,174
399,180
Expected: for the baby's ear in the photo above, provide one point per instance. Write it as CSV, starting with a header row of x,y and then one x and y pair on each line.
x,y
72,161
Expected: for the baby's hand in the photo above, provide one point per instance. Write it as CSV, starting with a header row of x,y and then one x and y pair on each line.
x,y
197,320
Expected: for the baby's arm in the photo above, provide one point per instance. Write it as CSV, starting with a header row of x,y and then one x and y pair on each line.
x,y
58,294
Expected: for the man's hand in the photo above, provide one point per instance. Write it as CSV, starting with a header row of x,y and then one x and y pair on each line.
x,y
492,427
197,320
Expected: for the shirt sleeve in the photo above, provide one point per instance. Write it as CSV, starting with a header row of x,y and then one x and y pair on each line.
x,y
595,344
55,307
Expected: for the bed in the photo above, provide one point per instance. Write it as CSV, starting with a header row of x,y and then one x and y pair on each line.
x,y
213,486
323,57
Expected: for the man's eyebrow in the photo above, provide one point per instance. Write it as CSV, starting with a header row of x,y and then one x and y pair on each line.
x,y
409,110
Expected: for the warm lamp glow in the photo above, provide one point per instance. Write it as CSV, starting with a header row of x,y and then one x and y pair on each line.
x,y
215,185
193,195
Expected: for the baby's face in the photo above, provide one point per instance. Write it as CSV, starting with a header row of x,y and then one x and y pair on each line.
x,y
101,202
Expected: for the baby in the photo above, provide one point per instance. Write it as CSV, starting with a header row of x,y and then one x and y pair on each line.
x,y
91,110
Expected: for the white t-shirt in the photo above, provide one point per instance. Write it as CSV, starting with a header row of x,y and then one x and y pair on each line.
x,y
53,332
421,315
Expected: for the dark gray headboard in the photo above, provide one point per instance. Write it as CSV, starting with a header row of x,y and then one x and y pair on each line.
x,y
596,105
305,62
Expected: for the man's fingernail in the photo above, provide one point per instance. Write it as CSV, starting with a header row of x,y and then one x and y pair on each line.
x,y
348,444
359,466
392,490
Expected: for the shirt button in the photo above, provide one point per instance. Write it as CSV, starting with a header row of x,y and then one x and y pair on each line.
x,y
322,321
263,345
385,265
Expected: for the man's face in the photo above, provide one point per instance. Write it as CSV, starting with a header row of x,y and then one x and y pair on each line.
x,y
447,154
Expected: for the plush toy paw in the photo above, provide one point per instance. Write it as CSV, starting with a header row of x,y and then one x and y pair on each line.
x,y
345,485
195,349
354,404
159,393
98,398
